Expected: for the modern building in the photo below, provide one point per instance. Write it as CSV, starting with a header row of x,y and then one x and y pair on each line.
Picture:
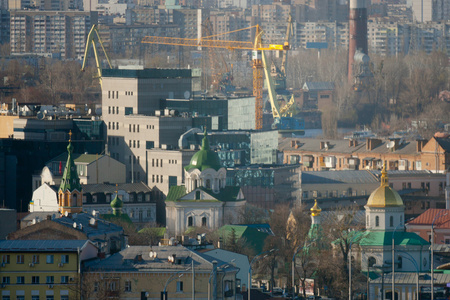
x,y
62,32
205,199
132,113
145,272
43,269
425,11
9,224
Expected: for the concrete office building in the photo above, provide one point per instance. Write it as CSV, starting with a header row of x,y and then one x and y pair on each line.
x,y
131,112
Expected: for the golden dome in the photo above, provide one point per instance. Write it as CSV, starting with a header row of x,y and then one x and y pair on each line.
x,y
315,210
384,195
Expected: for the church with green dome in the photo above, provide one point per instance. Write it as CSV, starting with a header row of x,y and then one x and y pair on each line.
x,y
204,200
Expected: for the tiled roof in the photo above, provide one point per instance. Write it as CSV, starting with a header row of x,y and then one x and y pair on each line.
x,y
41,245
426,218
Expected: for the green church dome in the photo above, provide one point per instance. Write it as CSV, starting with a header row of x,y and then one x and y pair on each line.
x,y
116,203
205,158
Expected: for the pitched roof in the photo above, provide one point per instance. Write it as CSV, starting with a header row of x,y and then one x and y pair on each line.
x,y
229,193
432,214
382,238
345,176
110,188
42,245
318,86
70,180
254,238
137,258
103,227
444,143
77,158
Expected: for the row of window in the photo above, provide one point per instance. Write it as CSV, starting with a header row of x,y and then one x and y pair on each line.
x,y
157,178
115,125
35,259
391,221
136,175
34,280
332,194
134,127
36,297
157,162
113,109
132,144
113,94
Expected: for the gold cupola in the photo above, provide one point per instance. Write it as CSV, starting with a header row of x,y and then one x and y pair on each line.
x,y
315,210
384,196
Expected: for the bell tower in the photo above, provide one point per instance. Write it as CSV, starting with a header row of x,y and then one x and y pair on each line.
x,y
70,195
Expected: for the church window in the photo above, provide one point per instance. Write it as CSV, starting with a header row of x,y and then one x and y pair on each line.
x,y
204,222
377,221
195,183
190,221
197,195
208,183
372,261
391,221
400,262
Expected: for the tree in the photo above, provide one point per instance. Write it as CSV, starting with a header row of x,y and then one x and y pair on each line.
x,y
251,214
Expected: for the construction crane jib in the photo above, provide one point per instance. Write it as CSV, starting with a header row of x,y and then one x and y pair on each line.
x,y
256,46
92,37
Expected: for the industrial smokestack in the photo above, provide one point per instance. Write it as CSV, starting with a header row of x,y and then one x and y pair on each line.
x,y
358,32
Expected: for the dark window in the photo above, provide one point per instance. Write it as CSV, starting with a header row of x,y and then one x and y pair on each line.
x,y
197,195
372,261
149,145
377,221
204,221
190,221
391,221
400,262
128,111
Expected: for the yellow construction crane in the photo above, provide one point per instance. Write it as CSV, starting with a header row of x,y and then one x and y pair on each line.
x,y
91,41
257,46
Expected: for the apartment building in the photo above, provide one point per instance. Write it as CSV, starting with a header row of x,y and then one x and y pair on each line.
x,y
273,19
43,269
230,20
4,26
426,10
334,33
62,32
134,121
190,22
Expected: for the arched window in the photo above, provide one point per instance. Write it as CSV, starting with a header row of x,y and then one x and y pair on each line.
x,y
371,262
377,221
190,221
391,221
208,184
204,222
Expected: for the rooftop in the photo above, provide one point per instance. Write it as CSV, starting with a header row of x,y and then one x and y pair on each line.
x,y
42,245
441,218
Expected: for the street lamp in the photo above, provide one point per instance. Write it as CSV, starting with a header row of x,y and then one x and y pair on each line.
x,y
255,259
411,259
293,265
172,278
432,249
393,261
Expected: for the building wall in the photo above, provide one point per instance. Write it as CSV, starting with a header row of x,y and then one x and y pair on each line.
x,y
7,126
8,220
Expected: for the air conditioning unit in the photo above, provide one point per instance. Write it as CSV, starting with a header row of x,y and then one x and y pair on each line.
x,y
60,264
31,264
50,286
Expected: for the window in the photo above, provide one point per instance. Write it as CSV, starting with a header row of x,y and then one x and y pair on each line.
x,y
127,286
20,280
6,298
35,259
204,222
391,221
19,259
197,195
96,286
190,221
372,261
64,258
34,297
20,297
64,279
35,279
6,280
64,297
377,221
400,262
49,297
179,286
50,279
50,259
5,259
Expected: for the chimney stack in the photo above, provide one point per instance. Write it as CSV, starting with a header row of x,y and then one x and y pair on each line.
x,y
358,32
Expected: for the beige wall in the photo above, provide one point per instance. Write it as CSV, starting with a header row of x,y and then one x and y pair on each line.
x,y
7,126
